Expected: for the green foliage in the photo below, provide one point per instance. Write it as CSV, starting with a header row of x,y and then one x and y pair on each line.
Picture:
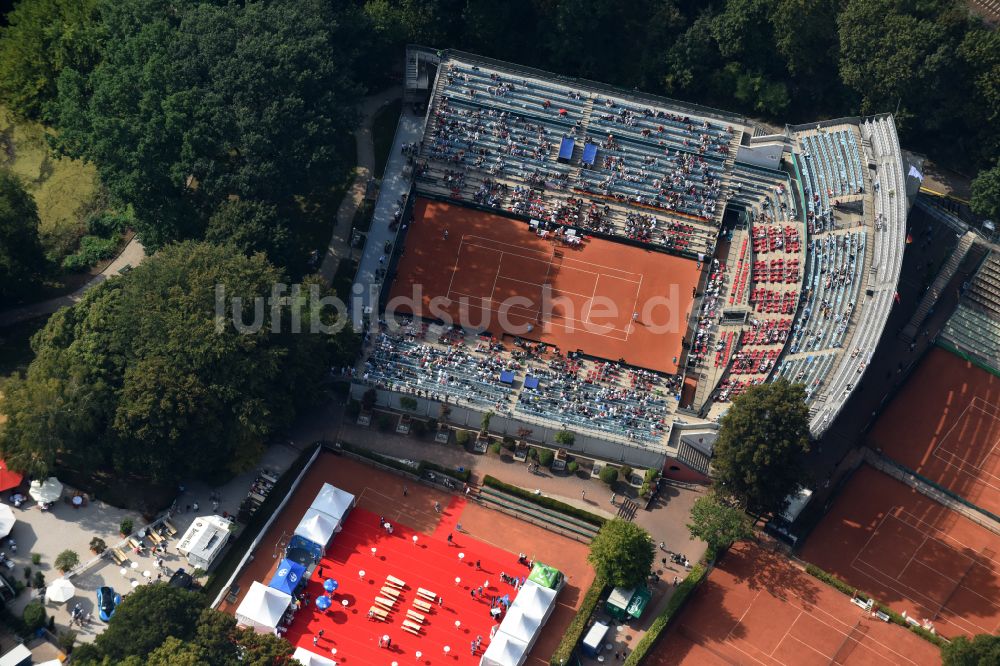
x,y
609,474
368,399
572,467
252,226
626,473
36,558
718,524
191,105
43,38
543,501
107,224
495,448
463,476
565,438
66,640
146,617
677,600
34,616
92,250
461,437
97,545
38,580
622,553
578,625
986,193
136,379
418,428
484,424
545,457
408,403
125,527
762,440
66,560
21,258
982,649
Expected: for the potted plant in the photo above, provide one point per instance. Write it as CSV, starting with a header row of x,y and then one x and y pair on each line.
x,y
66,560
97,545
125,527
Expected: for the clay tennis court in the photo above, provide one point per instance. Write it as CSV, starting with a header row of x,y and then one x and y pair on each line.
x,y
758,608
493,273
433,564
945,425
911,553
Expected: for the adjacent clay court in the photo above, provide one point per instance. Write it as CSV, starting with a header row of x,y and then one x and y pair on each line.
x,y
945,425
758,608
432,563
494,273
911,553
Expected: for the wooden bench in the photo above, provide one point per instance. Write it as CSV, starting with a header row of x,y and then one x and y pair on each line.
x,y
415,616
390,592
427,594
133,543
411,625
170,528
118,556
155,538
411,630
379,614
388,604
392,580
422,605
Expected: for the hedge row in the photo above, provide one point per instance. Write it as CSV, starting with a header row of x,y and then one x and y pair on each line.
x,y
895,617
656,629
547,502
574,632
422,466
462,476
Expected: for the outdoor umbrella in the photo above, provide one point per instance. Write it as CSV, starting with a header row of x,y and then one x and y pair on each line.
x,y
47,492
330,585
323,602
60,590
7,520
8,479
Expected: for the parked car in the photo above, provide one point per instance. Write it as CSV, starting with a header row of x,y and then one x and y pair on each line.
x,y
107,602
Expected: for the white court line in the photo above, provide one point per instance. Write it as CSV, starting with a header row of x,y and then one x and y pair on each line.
x,y
546,260
542,286
965,461
635,304
496,277
454,271
564,258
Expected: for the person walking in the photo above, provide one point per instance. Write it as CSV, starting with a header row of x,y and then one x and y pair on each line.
x,y
583,495
405,490
437,507
449,539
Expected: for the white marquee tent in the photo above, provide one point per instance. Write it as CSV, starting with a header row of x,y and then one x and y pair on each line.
x,y
318,527
333,502
307,658
46,492
7,520
504,650
262,608
518,625
534,601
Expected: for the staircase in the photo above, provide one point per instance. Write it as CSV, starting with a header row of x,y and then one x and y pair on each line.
x,y
934,293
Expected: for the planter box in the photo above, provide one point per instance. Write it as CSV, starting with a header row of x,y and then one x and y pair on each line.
x,y
481,444
443,435
595,471
365,419
521,451
403,427
559,461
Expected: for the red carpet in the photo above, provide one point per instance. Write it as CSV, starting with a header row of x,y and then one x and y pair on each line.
x,y
432,564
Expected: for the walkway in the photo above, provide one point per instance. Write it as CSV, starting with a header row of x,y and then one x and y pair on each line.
x,y
340,242
131,255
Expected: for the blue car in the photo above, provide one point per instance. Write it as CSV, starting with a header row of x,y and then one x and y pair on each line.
x,y
107,601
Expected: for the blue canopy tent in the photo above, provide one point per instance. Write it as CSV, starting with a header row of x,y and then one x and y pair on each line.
x,y
288,576
531,382
589,154
300,544
506,377
566,149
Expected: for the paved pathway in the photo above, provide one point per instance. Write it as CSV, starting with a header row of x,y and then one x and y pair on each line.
x,y
131,255
340,241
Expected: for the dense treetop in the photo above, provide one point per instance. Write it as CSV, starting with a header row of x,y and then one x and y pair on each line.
x,y
21,257
141,378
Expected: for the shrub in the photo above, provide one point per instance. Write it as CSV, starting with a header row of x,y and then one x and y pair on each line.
x,y
27,575
97,545
495,447
651,475
107,224
38,582
543,501
353,408
680,595
509,443
462,476
36,558
574,632
627,473
565,438
34,616
462,437
609,474
485,423
545,457
66,640
66,560
125,527
644,491
92,250
368,399
419,428
572,467
432,424
408,403
384,423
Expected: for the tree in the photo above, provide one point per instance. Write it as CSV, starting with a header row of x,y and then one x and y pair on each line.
x,y
21,258
565,438
147,617
34,616
622,553
757,459
149,377
609,474
66,560
983,649
252,226
196,103
718,524
43,38
986,193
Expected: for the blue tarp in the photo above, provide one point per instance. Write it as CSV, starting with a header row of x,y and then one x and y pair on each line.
x,y
589,153
288,576
566,148
506,377
301,543
531,382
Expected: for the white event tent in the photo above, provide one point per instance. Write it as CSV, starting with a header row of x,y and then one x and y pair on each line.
x,y
333,502
262,608
504,650
317,527
521,626
308,658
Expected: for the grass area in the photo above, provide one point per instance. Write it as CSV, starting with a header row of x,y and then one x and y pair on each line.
x,y
15,346
64,190
383,132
